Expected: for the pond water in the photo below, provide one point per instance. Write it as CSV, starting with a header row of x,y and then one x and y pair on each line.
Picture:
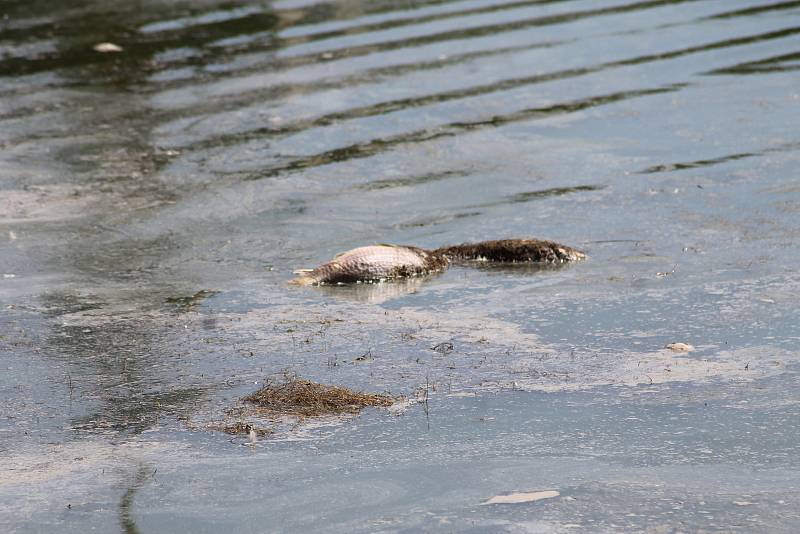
x,y
154,202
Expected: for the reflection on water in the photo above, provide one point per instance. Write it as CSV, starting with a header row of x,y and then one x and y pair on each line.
x,y
153,203
715,161
115,367
126,518
375,293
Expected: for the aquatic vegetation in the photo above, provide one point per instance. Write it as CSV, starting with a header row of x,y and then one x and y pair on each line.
x,y
298,397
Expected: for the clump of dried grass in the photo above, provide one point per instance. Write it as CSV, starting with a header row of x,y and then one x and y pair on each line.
x,y
298,397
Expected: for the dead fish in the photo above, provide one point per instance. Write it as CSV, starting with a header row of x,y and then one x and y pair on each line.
x,y
373,263
387,262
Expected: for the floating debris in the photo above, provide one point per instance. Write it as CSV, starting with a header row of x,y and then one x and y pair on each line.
x,y
242,427
298,397
105,48
679,347
364,357
516,498
666,273
189,302
443,348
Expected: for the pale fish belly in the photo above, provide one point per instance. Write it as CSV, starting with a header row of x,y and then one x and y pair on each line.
x,y
372,263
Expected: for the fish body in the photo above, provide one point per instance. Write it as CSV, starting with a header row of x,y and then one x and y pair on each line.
x,y
374,263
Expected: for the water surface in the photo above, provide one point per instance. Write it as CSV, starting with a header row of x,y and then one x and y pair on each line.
x,y
153,203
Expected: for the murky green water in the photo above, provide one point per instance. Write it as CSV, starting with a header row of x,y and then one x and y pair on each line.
x,y
154,202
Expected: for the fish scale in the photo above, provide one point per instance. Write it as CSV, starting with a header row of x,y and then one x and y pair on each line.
x,y
376,262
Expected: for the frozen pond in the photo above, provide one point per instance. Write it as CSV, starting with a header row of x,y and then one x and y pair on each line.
x,y
154,202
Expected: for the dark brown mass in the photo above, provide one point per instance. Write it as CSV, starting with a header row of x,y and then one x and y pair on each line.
x,y
512,251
